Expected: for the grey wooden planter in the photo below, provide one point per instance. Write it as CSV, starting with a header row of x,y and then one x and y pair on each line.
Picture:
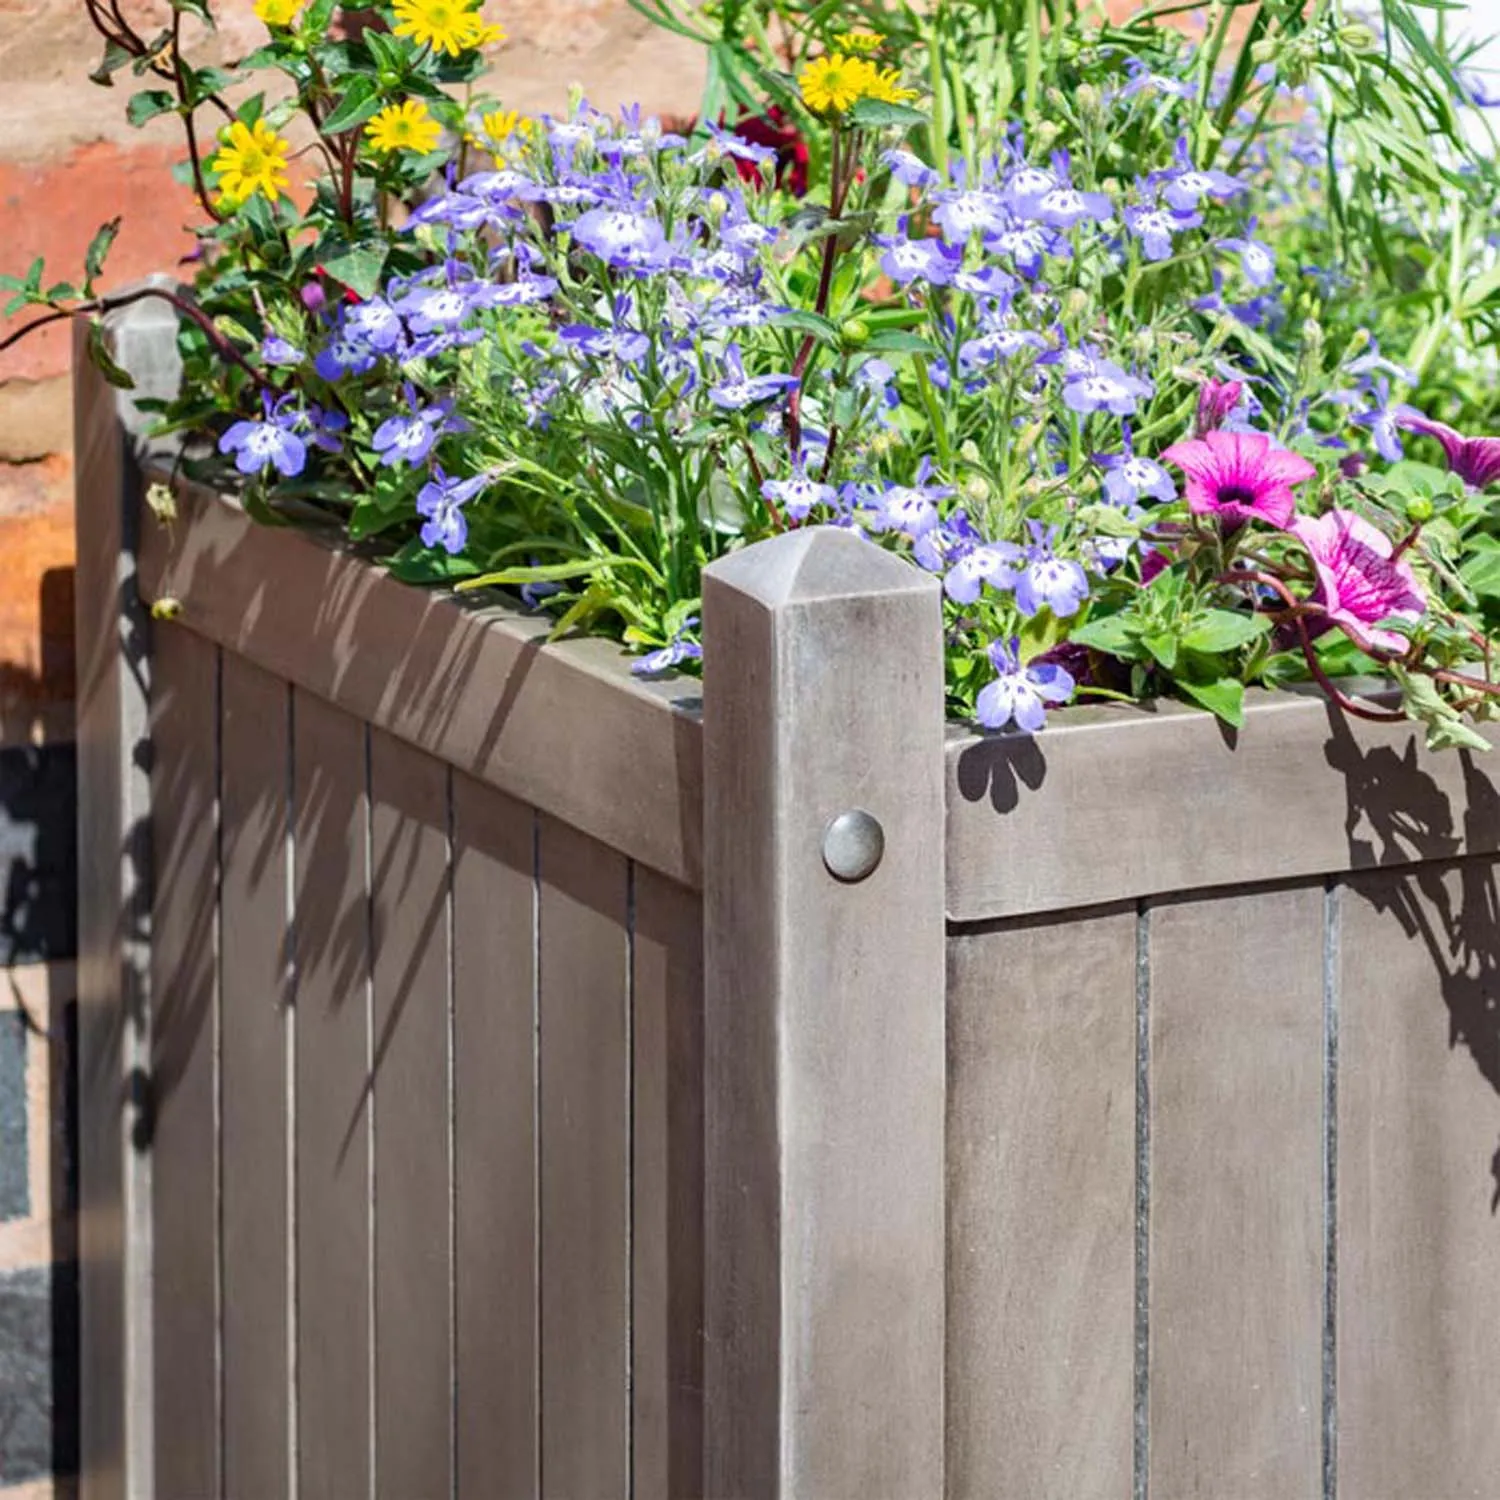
x,y
490,1090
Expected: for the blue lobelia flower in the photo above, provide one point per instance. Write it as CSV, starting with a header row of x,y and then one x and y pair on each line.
x,y
1257,259
408,436
799,493
441,501
1385,418
911,508
268,443
1128,476
1184,186
1101,385
907,260
1063,206
908,169
677,651
992,563
1154,225
738,389
280,352
723,142
345,354
623,238
1059,583
961,211
1020,693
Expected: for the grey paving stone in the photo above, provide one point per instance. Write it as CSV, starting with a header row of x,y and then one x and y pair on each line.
x,y
15,1193
38,1379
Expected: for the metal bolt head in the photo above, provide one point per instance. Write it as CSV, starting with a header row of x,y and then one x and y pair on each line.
x,y
852,845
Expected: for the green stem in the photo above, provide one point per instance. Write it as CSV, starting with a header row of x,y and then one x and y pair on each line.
x,y
1033,62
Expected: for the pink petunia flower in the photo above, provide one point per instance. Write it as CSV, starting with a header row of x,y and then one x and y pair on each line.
x,y
1216,400
1360,581
1239,476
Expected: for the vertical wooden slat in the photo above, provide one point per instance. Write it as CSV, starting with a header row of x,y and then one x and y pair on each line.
x,y
495,1217
256,1017
584,1165
1418,1254
114,674
823,1023
1236,1196
332,958
667,1201
1041,1209
184,1274
413,1376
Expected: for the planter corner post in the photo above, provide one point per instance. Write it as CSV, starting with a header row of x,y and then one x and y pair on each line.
x,y
114,901
825,1037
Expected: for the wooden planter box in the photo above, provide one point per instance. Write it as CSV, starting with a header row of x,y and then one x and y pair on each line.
x,y
488,1091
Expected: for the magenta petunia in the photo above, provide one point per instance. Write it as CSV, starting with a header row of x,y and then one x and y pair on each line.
x,y
1476,460
1239,476
1360,580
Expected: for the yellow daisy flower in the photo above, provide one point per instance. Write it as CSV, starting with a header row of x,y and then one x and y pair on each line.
x,y
886,86
831,84
408,126
251,160
501,128
862,42
449,26
277,12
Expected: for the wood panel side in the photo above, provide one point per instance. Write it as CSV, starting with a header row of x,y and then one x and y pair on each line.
x,y
667,1190
1418,1267
585,1164
1041,1210
413,1336
1236,1203
184,1167
331,953
256,1030
495,1140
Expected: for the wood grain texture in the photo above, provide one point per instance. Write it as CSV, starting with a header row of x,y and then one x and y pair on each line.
x,y
824,1025
112,635
256,1017
1418,1183
184,1144
667,1191
1236,1265
1312,792
564,728
413,1373
585,1165
331,944
1041,1209
495,1220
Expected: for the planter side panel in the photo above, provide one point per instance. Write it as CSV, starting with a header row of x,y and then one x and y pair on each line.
x,y
428,1130
1418,1169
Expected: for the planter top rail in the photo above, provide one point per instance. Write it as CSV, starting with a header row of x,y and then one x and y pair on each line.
x,y
1137,800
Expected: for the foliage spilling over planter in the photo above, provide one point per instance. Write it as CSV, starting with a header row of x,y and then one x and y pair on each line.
x,y
1172,354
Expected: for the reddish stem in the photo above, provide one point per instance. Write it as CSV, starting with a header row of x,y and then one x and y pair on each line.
x,y
1334,692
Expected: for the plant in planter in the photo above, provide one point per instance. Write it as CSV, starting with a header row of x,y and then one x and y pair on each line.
x,y
608,353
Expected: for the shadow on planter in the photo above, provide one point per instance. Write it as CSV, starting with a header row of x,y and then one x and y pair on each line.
x,y
1398,815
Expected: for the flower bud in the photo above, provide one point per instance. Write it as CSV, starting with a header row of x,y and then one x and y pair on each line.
x,y
1086,96
1358,341
1045,134
855,333
1358,37
1419,510
975,489
1312,340
1265,50
1075,304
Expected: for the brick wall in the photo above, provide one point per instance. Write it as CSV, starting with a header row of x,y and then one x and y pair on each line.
x,y
68,161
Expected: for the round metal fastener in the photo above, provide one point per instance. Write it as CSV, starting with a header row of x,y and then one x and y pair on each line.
x,y
853,844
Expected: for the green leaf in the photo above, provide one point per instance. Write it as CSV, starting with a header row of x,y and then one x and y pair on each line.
x,y
359,268
875,114
104,361
1224,630
1113,633
1224,698
194,8
360,102
541,573
810,322
147,104
1455,734
415,563
1481,571
898,341
115,57
1163,646
98,250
